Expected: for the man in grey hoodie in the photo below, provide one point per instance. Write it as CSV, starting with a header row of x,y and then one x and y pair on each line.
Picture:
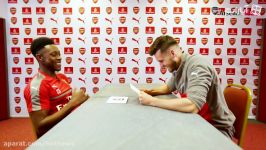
x,y
195,80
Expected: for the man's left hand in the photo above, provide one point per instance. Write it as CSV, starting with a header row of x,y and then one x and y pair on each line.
x,y
145,98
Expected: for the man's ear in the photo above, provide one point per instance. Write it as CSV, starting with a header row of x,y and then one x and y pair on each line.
x,y
172,52
39,57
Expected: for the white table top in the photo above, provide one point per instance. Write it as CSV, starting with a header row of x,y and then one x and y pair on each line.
x,y
97,125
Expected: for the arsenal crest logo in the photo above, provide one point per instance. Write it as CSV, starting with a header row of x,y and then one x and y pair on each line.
x,y
54,31
41,20
15,41
135,70
247,21
81,10
28,51
243,81
14,20
67,20
177,40
17,99
82,50
83,89
231,61
68,60
149,80
191,30
164,30
122,60
95,60
206,1
149,60
108,10
230,81
95,90
27,31
233,21
109,30
95,20
136,51
95,40
122,80
136,30
136,10
17,90
232,41
190,51
244,71
18,109
82,30
204,21
163,70
245,51
29,71
26,1
108,51
164,10
95,80
53,10
204,41
177,20
16,80
68,40
122,19
122,40
219,31
13,10
82,70
150,20
218,51
192,10
109,71
149,40
220,1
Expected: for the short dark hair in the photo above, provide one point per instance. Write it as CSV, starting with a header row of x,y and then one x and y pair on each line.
x,y
162,43
39,43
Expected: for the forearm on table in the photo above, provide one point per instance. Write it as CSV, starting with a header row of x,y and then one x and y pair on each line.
x,y
164,89
181,105
49,121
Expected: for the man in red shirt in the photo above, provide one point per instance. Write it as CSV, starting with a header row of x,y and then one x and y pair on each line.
x,y
48,96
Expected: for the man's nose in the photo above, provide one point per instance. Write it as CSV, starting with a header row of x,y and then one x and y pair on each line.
x,y
59,57
161,64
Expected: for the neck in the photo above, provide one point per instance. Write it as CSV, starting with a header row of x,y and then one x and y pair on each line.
x,y
47,71
178,60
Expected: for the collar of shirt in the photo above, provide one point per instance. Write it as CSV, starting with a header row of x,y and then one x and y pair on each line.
x,y
48,76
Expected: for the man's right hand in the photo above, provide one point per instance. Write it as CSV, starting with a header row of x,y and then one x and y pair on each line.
x,y
78,97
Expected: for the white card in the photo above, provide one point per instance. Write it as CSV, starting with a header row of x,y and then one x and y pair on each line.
x,y
117,99
134,88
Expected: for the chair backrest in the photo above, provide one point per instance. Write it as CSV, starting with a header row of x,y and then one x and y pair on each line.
x,y
238,99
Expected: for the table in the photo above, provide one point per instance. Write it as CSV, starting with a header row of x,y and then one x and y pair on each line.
x,y
97,125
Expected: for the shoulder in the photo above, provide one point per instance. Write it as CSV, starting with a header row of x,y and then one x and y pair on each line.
x,y
38,84
198,61
62,77
38,81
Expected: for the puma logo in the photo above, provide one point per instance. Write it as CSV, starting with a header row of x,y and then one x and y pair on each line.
x,y
194,73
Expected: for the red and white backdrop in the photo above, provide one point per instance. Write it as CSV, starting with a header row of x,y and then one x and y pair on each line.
x,y
106,41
